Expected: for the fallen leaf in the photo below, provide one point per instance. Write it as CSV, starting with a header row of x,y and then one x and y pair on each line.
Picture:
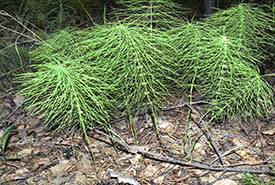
x,y
85,162
166,126
43,161
21,171
122,177
57,181
135,160
25,152
159,180
18,100
184,178
195,117
225,182
207,179
33,122
149,171
199,151
80,178
269,132
245,155
240,142
60,168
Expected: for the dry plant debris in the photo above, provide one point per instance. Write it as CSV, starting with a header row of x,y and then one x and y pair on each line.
x,y
35,155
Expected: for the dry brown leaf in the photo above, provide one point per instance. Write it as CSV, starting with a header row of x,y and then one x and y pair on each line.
x,y
195,117
42,161
245,155
25,152
21,125
149,171
184,178
80,178
21,171
60,168
146,148
199,151
166,126
165,165
10,177
18,100
269,132
225,182
85,162
159,180
207,179
240,142
135,160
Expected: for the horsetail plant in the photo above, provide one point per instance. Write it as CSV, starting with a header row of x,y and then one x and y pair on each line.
x,y
241,37
219,58
150,16
251,25
222,53
188,39
138,62
151,13
231,83
65,90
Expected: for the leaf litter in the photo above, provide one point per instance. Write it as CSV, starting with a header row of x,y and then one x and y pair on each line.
x,y
36,155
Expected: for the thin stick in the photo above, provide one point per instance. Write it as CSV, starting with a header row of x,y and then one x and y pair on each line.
x,y
207,134
226,153
183,163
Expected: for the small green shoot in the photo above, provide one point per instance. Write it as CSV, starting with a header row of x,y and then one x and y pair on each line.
x,y
4,138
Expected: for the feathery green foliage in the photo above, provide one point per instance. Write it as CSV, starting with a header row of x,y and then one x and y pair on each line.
x,y
66,94
62,44
37,11
229,3
59,14
54,15
248,23
233,85
220,57
188,39
233,82
151,13
65,89
139,63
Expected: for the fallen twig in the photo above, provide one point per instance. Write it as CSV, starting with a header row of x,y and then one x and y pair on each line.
x,y
183,163
183,105
227,153
207,134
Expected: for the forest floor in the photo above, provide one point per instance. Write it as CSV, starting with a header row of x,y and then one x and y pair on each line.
x,y
37,155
